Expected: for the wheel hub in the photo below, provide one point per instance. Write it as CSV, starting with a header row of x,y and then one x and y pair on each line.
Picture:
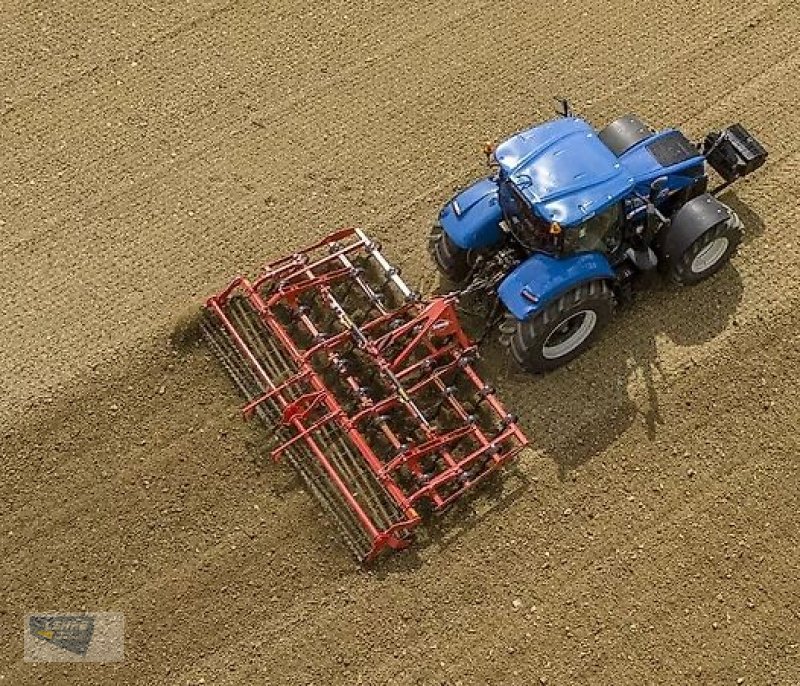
x,y
710,255
572,332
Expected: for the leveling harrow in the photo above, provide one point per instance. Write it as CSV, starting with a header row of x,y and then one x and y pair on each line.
x,y
369,391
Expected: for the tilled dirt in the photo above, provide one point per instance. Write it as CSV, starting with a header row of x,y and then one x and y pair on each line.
x,y
151,151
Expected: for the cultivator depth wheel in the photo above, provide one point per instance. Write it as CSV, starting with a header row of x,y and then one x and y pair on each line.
x,y
369,391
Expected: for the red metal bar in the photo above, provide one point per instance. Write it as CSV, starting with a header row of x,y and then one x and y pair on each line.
x,y
300,259
293,290
497,463
447,475
433,445
394,399
303,434
339,338
328,398
389,539
248,409
400,396
301,407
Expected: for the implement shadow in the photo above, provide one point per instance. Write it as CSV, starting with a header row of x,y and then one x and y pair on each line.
x,y
576,412
442,531
753,224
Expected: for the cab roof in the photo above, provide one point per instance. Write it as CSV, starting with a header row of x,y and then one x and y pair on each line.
x,y
564,170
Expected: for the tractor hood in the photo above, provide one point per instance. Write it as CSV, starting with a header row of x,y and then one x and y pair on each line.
x,y
564,171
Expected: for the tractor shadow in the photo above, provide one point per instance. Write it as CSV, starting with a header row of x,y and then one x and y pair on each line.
x,y
753,224
578,411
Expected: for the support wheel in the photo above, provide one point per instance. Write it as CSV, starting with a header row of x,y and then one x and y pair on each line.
x,y
709,253
453,262
564,329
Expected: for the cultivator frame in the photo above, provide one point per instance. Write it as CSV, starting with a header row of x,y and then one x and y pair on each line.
x,y
370,391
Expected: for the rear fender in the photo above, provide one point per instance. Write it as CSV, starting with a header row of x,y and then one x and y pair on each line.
x,y
689,223
472,218
535,283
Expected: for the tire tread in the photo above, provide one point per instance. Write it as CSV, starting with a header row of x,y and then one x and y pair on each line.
x,y
527,342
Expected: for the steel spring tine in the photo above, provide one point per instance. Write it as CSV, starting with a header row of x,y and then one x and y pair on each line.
x,y
271,287
299,311
362,479
354,536
357,477
328,320
342,298
480,465
448,391
369,486
507,421
480,397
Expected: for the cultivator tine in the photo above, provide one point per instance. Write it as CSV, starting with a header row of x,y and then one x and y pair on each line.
x,y
369,391
433,413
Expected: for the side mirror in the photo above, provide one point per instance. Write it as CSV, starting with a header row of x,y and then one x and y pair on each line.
x,y
657,188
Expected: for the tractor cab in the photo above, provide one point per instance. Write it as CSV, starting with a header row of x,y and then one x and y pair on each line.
x,y
562,189
562,170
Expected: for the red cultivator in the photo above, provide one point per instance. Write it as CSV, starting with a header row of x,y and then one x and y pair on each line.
x,y
370,392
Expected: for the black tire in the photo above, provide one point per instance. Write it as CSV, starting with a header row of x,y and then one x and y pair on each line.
x,y
533,345
453,262
709,253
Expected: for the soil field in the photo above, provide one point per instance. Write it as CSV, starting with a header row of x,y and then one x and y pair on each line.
x,y
150,151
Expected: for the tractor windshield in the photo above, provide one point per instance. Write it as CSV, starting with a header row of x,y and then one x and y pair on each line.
x,y
530,230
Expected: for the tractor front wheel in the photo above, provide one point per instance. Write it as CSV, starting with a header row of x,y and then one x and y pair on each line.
x,y
563,329
453,262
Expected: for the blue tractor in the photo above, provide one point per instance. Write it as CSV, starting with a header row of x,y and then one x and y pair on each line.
x,y
570,217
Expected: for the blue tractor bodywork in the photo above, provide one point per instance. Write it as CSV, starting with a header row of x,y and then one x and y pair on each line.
x,y
472,218
565,174
554,239
667,154
563,170
542,278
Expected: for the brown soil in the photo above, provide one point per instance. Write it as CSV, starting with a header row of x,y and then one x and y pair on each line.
x,y
150,152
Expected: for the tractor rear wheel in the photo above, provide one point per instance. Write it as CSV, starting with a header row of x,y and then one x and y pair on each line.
x,y
453,262
564,329
709,253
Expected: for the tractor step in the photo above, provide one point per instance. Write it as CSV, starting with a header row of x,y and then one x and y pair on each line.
x,y
369,392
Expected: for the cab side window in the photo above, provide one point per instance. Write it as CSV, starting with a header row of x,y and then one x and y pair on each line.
x,y
601,232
